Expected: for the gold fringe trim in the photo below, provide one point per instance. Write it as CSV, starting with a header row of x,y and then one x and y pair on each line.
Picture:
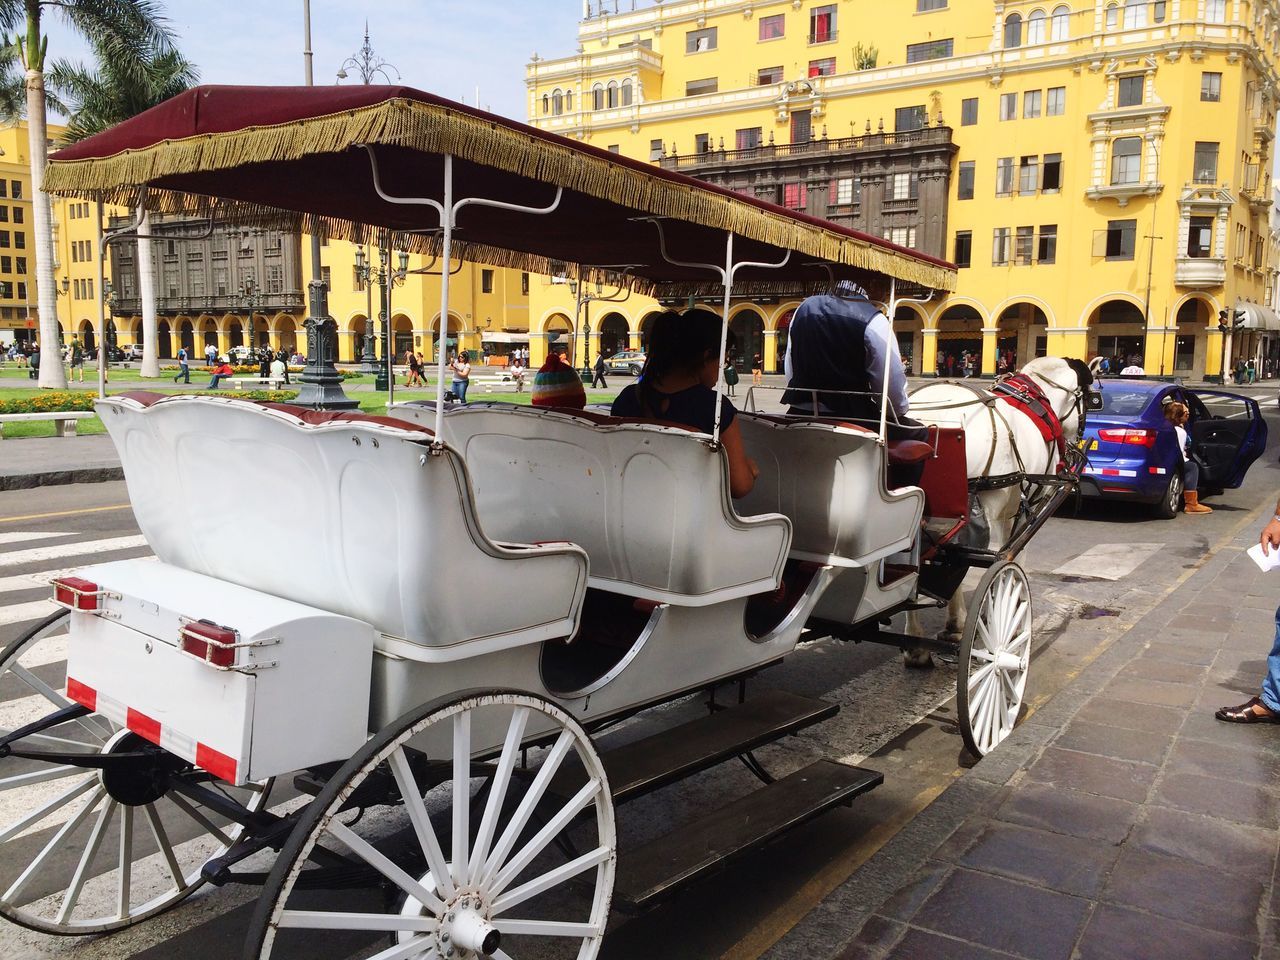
x,y
432,128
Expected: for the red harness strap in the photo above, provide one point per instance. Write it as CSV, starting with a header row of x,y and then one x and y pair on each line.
x,y
1021,392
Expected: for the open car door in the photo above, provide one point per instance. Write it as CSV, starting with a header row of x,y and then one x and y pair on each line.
x,y
1227,438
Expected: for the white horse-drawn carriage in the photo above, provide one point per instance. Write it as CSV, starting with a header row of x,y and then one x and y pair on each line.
x,y
468,593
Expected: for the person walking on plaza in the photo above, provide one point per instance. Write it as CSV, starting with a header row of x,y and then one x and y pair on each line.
x,y
598,372
1264,708
461,375
75,354
210,354
757,370
184,366
220,372
34,362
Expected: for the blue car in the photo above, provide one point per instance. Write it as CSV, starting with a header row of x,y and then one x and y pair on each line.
x,y
1133,451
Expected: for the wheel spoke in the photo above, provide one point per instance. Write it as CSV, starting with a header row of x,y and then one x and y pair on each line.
x,y
545,928
414,948
319,920
366,852
200,818
89,723
57,802
38,776
126,862
166,848
12,894
461,795
550,879
498,790
86,858
531,799
421,821
544,836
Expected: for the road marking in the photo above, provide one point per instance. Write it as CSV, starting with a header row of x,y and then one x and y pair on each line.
x,y
18,536
22,612
64,513
40,580
1109,561
84,548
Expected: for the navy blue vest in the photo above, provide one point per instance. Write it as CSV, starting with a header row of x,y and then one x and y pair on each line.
x,y
828,350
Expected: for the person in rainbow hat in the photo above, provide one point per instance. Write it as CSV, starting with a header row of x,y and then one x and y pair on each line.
x,y
556,384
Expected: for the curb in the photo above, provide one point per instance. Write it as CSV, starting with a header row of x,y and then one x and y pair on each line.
x,y
51,478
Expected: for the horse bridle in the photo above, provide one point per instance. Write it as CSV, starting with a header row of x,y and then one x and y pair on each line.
x,y
1079,395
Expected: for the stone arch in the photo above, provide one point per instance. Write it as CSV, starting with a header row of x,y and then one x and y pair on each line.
x,y
402,334
645,327
781,325
284,331
614,331
1194,316
1117,329
186,334
908,328
208,328
746,336
84,330
558,329
959,328
164,340
1023,325
455,330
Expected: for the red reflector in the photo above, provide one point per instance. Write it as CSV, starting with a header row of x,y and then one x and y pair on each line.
x,y
1129,435
213,644
77,593
1116,490
1109,472
143,725
84,695
219,764
1153,469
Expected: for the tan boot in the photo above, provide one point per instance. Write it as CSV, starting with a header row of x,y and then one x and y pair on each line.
x,y
1192,504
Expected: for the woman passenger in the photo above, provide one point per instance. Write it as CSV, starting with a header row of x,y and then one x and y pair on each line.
x,y
677,385
1177,414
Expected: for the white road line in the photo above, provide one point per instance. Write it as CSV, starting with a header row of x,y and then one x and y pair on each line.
x,y
84,548
21,536
40,580
1109,561
22,612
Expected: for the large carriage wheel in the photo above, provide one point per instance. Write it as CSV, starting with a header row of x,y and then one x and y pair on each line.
x,y
417,848
995,653
82,850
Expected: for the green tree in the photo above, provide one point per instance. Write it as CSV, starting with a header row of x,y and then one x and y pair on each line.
x,y
128,31
110,92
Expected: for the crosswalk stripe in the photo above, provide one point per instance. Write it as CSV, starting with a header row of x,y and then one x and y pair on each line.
x,y
58,551
21,612
39,580
19,536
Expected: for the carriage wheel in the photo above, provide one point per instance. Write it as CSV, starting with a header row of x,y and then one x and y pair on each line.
x,y
415,849
995,653
87,851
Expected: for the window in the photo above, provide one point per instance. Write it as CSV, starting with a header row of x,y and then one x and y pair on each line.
x,y
999,246
6,265
906,186
964,181
486,281
702,143
1004,176
801,126
1240,241
75,251
1129,91
825,67
795,196
21,263
902,236
846,191
1135,14
768,75
1126,160
89,287
1013,30
1051,175
1215,11
4,239
771,28
695,88
626,94
1024,243
1206,163
822,24
1029,175
655,151
1120,239
546,108
1211,87
597,97
925,6
930,50
614,148
910,118
1158,11
1055,101
1113,16
1047,243
963,255
557,103
611,94
1060,24
15,191
1031,104
4,214
568,100
747,138
699,41
1035,27
1008,106
968,112
1200,237
22,290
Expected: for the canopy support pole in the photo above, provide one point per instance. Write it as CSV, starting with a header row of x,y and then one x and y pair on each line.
x,y
888,359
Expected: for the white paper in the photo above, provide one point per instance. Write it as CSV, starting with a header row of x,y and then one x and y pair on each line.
x,y
1265,561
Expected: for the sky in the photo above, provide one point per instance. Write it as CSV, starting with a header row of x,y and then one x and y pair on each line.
x,y
447,47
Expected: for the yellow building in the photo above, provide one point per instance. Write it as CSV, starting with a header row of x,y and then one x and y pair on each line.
x,y
19,312
1110,187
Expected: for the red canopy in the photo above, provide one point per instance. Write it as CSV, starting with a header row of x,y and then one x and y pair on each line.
x,y
294,155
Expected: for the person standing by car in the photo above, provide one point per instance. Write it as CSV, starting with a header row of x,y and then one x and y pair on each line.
x,y
184,366
1177,414
598,371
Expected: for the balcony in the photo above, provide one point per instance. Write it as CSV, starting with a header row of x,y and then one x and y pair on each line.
x,y
696,162
289,301
1200,273
1122,193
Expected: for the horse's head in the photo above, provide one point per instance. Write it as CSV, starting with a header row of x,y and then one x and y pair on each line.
x,y
1066,382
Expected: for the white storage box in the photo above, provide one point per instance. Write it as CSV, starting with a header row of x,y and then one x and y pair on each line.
x,y
241,683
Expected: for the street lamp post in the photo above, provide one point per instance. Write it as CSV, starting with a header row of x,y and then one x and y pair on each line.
x,y
583,298
388,278
369,354
251,297
368,64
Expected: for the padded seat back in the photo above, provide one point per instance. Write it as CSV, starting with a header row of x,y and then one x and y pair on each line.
x,y
829,480
342,512
649,503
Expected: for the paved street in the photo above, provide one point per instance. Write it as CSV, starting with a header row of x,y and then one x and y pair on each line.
x,y
1101,580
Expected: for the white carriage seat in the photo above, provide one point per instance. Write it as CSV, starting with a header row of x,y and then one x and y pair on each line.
x,y
345,512
829,479
648,502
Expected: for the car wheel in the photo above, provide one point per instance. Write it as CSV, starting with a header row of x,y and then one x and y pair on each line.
x,y
1168,506
634,370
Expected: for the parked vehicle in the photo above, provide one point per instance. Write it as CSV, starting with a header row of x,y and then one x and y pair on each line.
x,y
626,361
1133,451
132,351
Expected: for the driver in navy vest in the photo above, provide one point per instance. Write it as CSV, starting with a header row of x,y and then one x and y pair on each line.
x,y
841,341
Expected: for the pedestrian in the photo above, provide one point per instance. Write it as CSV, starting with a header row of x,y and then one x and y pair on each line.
x,y
264,363
1264,708
34,359
598,372
757,370
75,352
556,384
1250,371
184,366
221,371
1177,414
730,378
461,375
210,354
517,373
277,369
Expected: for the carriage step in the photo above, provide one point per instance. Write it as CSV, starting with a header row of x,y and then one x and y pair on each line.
x,y
697,849
635,769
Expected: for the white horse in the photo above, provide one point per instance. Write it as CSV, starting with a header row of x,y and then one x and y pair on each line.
x,y
1000,441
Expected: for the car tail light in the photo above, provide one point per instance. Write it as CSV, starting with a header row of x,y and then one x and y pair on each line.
x,y
76,593
1131,436
208,642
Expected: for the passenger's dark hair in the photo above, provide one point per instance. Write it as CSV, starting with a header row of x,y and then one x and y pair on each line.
x,y
678,343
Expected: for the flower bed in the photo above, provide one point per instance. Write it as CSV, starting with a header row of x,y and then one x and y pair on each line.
x,y
51,401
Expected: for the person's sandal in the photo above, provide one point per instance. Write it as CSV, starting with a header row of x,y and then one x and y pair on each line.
x,y
1245,713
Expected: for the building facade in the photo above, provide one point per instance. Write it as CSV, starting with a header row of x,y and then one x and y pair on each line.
x,y
1108,190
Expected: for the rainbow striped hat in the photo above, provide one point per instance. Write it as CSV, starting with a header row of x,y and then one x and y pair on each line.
x,y
556,384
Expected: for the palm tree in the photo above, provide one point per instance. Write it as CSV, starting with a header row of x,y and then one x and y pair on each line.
x,y
126,30
111,92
